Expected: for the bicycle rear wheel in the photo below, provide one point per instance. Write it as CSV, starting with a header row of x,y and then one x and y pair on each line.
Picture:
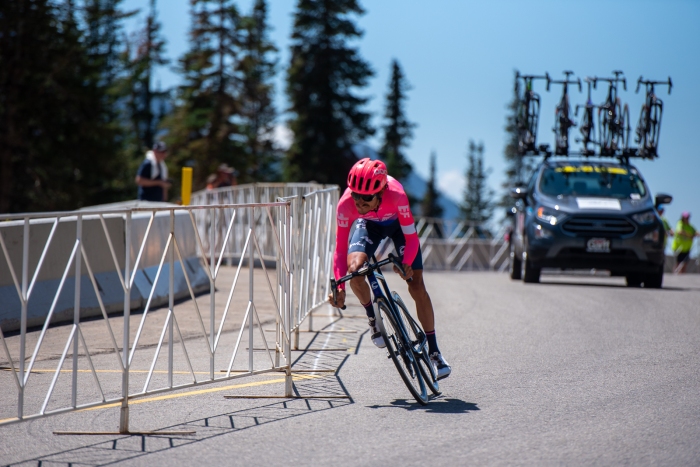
x,y
401,354
420,346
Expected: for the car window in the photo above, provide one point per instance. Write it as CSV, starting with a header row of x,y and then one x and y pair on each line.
x,y
591,181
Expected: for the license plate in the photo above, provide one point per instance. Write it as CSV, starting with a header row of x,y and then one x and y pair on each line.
x,y
598,245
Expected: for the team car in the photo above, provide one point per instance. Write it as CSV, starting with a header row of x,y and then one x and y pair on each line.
x,y
585,214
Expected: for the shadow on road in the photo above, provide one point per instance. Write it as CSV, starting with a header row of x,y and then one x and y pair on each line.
x,y
129,447
438,405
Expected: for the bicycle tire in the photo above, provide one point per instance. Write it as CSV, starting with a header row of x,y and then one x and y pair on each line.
x,y
533,112
625,127
655,124
642,126
401,354
417,337
604,127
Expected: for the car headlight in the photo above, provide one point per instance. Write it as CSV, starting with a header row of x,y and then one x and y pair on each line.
x,y
548,216
644,218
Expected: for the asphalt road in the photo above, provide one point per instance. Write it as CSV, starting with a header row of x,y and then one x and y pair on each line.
x,y
574,371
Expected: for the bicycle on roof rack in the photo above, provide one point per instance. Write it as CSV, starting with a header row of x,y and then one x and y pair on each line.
x,y
613,118
587,126
562,117
649,125
528,114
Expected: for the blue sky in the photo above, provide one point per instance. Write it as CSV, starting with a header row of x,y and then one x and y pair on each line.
x,y
459,57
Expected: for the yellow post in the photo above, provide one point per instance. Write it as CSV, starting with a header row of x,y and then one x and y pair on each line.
x,y
186,185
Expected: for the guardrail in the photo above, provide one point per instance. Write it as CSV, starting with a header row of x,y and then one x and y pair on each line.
x,y
455,245
313,227
86,376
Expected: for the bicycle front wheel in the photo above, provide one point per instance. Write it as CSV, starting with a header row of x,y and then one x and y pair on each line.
x,y
401,353
419,344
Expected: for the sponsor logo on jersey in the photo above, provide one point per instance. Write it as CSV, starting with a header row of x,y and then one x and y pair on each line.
x,y
342,220
401,250
404,211
366,238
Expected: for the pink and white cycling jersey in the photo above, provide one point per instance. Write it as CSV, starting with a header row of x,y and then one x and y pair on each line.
x,y
394,206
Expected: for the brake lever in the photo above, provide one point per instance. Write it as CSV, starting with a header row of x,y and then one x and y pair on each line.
x,y
334,289
399,266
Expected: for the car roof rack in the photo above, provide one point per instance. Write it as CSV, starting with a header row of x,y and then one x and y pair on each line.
x,y
623,156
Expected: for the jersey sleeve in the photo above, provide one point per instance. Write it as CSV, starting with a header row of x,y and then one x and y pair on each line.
x,y
408,227
340,258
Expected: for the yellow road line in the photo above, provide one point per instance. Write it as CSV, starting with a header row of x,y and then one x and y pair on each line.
x,y
41,370
201,391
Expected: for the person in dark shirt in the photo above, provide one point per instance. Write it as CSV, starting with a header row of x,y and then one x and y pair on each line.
x,y
152,176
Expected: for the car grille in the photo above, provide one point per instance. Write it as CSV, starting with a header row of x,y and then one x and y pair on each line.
x,y
599,226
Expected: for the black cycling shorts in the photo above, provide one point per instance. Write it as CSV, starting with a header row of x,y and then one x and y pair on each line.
x,y
365,237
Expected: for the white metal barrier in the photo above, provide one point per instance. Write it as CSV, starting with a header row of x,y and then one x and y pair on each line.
x,y
461,246
312,226
84,375
212,224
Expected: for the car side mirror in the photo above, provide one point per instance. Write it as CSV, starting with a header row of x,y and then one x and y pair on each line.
x,y
663,198
519,192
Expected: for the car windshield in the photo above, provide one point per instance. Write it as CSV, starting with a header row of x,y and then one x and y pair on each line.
x,y
592,181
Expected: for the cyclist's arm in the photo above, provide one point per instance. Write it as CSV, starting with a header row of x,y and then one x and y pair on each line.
x,y
340,257
408,227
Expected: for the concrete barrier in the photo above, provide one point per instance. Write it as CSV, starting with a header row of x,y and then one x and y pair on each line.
x,y
98,231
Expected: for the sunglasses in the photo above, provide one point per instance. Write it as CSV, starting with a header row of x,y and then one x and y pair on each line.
x,y
365,198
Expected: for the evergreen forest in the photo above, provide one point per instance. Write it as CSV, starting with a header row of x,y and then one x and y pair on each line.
x,y
80,106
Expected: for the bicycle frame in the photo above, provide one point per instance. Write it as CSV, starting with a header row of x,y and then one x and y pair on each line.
x,y
649,126
528,114
587,126
611,116
562,120
381,290
405,340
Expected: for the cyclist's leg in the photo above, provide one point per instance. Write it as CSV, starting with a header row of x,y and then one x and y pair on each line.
x,y
424,306
362,244
416,288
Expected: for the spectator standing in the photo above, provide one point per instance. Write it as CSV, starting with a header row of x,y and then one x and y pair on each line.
x,y
667,226
683,241
152,176
224,176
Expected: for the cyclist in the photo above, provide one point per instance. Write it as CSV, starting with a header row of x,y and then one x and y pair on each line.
x,y
374,207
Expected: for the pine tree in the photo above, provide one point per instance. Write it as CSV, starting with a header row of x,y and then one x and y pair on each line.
x,y
518,168
56,147
204,128
397,130
257,69
478,205
327,117
430,206
145,52
103,39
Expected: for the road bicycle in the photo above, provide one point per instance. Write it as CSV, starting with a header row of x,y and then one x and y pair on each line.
x,y
613,118
405,340
586,126
562,115
649,125
528,114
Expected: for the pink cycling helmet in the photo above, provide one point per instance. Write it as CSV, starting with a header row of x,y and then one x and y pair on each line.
x,y
367,177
